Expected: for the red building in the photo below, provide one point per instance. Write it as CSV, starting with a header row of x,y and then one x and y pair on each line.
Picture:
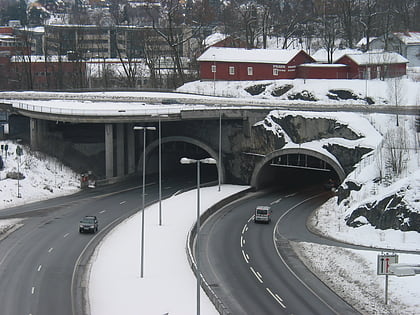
x,y
36,73
218,63
372,65
322,71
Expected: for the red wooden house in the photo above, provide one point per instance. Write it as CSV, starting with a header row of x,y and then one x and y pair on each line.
x,y
322,71
218,63
373,65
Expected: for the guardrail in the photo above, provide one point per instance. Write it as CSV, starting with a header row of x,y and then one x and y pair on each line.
x,y
218,304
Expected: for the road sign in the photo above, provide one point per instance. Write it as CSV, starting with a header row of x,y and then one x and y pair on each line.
x,y
384,263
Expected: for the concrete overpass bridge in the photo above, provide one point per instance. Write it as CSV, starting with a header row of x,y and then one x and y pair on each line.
x,y
94,131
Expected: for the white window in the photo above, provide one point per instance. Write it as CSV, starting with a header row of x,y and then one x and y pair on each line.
x,y
232,70
213,68
275,71
250,71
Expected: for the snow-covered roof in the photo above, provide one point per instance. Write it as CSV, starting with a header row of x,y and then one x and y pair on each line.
x,y
409,38
323,65
39,58
374,58
225,54
214,39
321,55
363,41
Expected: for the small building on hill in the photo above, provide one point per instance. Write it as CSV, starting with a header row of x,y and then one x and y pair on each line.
x,y
372,65
223,40
406,44
230,64
322,71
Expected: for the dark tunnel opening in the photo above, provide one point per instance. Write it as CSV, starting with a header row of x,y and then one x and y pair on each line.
x,y
172,152
296,171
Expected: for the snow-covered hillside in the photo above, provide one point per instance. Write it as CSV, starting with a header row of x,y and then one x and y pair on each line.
x,y
380,92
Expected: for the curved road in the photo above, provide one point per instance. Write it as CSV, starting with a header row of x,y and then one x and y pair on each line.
x,y
245,262
38,259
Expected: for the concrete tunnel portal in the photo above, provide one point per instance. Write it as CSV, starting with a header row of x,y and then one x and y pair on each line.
x,y
296,167
173,148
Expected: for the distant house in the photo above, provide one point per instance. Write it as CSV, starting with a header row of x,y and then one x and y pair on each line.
x,y
371,65
406,44
218,63
223,40
53,72
322,71
321,55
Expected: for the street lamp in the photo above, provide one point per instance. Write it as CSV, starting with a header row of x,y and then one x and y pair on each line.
x,y
160,168
143,193
185,160
219,169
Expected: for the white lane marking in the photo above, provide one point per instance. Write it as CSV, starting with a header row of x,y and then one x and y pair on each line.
x,y
284,261
290,195
167,187
275,296
39,268
244,229
259,274
251,218
276,201
123,202
278,297
242,241
103,211
33,290
245,257
256,275
50,250
65,235
177,192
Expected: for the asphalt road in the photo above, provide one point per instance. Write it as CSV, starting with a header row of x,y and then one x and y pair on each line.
x,y
38,259
252,268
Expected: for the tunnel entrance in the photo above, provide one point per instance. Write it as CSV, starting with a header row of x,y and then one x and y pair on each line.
x,y
296,168
175,148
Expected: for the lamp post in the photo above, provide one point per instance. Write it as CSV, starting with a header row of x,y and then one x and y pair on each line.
x,y
185,160
219,169
143,193
160,166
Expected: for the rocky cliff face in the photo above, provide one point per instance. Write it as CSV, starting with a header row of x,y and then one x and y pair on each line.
x,y
391,212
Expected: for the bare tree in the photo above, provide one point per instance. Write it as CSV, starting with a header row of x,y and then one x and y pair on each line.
x,y
396,150
396,93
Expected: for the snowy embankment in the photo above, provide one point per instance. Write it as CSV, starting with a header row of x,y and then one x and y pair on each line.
x,y
44,177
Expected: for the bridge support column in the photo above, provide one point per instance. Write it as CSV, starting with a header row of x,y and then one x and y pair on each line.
x,y
131,163
109,151
38,130
120,150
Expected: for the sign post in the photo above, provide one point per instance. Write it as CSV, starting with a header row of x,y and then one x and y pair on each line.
x,y
384,268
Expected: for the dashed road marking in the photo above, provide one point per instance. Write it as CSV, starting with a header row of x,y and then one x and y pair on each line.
x,y
39,268
65,235
257,275
50,250
103,211
246,257
276,201
276,297
123,202
33,290
245,228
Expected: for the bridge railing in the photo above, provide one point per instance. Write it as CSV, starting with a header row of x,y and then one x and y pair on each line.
x,y
126,109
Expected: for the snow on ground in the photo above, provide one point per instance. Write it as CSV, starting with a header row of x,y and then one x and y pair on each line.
x,y
378,90
45,177
115,270
168,285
